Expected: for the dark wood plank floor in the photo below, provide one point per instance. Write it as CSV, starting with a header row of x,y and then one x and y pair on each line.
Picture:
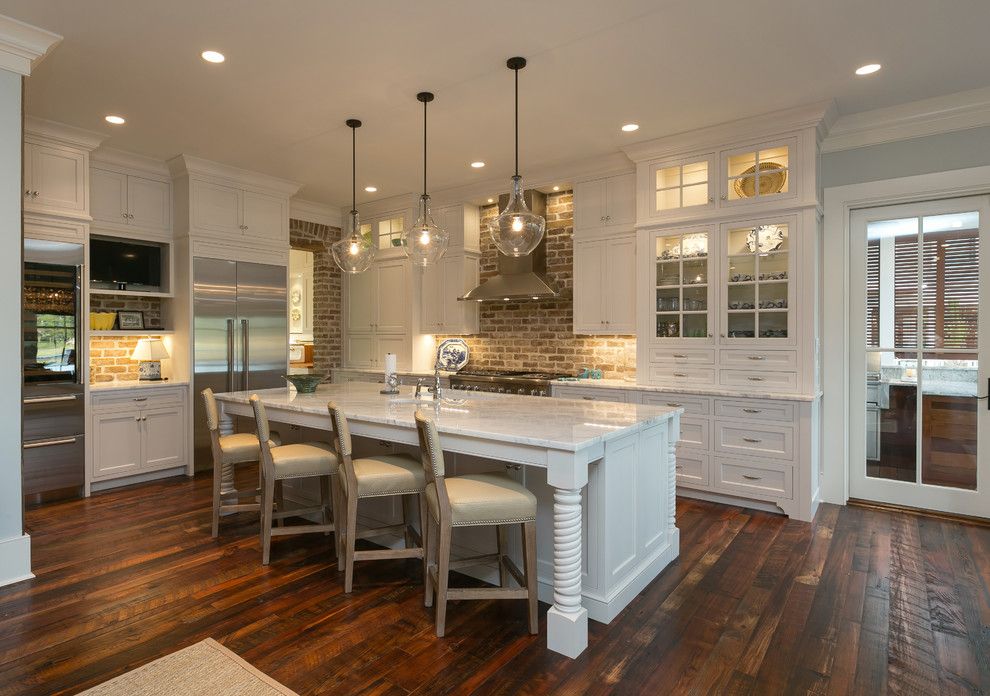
x,y
862,601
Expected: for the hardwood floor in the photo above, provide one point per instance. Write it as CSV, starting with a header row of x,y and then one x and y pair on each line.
x,y
862,601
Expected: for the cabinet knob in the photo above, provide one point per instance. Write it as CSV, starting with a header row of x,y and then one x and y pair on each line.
x,y
602,218
28,192
137,418
608,217
723,196
711,199
123,215
130,216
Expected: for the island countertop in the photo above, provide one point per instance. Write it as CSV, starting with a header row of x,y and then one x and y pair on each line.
x,y
555,424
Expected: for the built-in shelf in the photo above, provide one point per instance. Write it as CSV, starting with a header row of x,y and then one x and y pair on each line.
x,y
136,332
129,293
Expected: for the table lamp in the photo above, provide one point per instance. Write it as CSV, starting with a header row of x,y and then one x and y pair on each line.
x,y
150,351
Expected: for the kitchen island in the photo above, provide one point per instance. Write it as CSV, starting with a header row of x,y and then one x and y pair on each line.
x,y
594,555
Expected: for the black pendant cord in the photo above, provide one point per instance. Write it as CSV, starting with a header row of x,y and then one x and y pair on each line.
x,y
424,147
516,71
353,169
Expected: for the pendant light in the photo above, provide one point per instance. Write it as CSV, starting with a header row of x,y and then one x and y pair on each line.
x,y
517,230
425,242
354,252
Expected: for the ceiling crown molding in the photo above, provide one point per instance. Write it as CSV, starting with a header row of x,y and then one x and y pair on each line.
x,y
187,165
132,162
945,114
61,133
22,46
309,211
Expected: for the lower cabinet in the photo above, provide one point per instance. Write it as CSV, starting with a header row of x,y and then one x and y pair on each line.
x,y
137,431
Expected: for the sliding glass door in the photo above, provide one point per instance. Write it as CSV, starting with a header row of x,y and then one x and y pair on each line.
x,y
919,336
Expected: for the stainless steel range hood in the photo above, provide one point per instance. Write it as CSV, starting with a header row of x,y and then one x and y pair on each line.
x,y
519,277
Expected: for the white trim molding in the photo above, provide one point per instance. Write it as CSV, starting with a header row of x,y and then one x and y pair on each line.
x,y
15,559
181,165
945,114
840,201
23,46
54,132
310,211
132,163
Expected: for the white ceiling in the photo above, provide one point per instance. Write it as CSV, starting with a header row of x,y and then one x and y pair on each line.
x,y
296,70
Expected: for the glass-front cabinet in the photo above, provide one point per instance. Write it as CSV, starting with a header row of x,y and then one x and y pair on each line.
x,y
684,284
757,282
757,173
390,232
683,184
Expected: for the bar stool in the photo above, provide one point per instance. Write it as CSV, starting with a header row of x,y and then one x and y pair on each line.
x,y
284,462
474,500
376,477
228,452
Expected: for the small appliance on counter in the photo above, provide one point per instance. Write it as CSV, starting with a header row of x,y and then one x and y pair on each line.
x,y
391,376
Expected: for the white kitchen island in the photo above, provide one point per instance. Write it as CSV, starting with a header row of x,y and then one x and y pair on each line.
x,y
593,558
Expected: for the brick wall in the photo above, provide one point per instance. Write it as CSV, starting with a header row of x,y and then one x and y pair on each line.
x,y
150,306
110,356
538,335
317,238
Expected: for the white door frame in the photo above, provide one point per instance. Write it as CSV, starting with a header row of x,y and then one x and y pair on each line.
x,y
839,202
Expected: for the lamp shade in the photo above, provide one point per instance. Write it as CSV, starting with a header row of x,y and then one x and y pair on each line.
x,y
149,349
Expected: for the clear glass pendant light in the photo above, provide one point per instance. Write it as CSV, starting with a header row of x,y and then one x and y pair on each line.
x,y
354,252
517,230
426,241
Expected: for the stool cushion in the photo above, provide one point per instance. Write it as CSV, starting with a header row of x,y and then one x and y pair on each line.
x,y
484,499
304,459
241,447
388,474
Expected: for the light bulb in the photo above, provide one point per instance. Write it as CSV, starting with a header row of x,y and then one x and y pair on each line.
x,y
424,236
354,248
517,224
355,252
425,242
517,230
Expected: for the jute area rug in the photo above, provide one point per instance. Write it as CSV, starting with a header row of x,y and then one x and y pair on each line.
x,y
203,669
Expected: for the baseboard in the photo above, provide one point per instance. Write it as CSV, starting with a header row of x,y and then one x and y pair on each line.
x,y
96,486
710,497
921,512
15,560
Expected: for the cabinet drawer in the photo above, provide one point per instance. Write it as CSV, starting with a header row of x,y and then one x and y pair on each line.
x,y
682,376
692,405
755,410
759,380
116,401
754,478
692,467
759,359
682,357
695,433
615,395
776,441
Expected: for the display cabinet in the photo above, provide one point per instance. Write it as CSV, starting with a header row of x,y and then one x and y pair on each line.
x,y
684,284
683,183
757,172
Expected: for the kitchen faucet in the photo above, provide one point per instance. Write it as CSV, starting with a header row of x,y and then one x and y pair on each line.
x,y
436,381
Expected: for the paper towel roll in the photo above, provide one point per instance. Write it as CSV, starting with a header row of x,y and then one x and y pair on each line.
x,y
389,364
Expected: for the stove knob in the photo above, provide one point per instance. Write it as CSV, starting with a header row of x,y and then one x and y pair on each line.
x,y
475,387
534,392
501,390
520,391
543,392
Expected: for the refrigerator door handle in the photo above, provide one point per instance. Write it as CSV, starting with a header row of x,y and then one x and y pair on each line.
x,y
230,355
51,443
245,355
49,399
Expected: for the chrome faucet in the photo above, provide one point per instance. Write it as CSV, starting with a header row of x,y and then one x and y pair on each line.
x,y
419,386
436,381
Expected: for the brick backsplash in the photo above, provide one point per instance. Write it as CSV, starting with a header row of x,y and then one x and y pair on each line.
x,y
151,307
311,236
110,356
538,335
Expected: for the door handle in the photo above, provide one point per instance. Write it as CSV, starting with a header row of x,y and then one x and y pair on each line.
x,y
230,355
752,439
49,399
245,357
50,443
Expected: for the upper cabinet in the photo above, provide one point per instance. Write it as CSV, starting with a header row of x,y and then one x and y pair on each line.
x,y
604,287
56,168
605,205
442,283
681,184
122,200
757,173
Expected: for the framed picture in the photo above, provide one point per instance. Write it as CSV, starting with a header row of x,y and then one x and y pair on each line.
x,y
130,320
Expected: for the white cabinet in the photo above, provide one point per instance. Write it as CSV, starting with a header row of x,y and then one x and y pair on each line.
x,y
237,212
120,199
137,431
55,180
392,301
462,223
604,287
377,308
440,310
216,208
605,203
263,217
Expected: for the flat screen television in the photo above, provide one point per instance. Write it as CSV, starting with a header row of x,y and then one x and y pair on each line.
x,y
123,265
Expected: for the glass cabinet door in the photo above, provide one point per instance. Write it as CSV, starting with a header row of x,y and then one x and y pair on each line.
x,y
684,184
390,232
757,295
757,174
683,285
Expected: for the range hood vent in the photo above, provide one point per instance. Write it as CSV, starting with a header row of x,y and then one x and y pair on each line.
x,y
519,277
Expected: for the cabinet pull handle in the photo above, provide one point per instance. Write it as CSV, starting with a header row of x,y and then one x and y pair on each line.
x,y
755,379
679,355
49,399
680,374
753,410
752,439
678,466
757,357
142,398
50,443
588,398
752,478
675,405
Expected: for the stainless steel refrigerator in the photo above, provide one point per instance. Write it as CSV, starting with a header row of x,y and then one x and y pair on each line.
x,y
54,455
240,334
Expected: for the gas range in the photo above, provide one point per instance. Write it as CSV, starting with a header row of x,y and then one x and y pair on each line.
x,y
504,381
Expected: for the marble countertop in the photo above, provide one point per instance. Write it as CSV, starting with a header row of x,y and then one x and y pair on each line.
x,y
528,420
701,391
134,384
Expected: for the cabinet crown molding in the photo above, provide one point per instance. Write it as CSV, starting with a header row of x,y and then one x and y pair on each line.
x,y
129,163
22,46
49,132
310,211
820,116
187,165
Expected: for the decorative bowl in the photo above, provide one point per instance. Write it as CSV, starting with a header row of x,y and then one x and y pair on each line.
x,y
304,384
101,321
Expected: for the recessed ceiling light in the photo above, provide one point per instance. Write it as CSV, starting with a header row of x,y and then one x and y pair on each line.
x,y
370,189
478,165
115,120
630,127
868,69
213,56
491,200
556,188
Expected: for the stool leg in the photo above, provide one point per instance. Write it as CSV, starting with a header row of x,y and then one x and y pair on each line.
x,y
430,552
349,542
267,500
406,534
339,519
325,501
423,531
217,473
443,571
503,573
529,554
279,502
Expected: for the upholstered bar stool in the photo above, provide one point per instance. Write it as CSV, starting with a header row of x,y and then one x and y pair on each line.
x,y
376,477
228,452
284,462
474,500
